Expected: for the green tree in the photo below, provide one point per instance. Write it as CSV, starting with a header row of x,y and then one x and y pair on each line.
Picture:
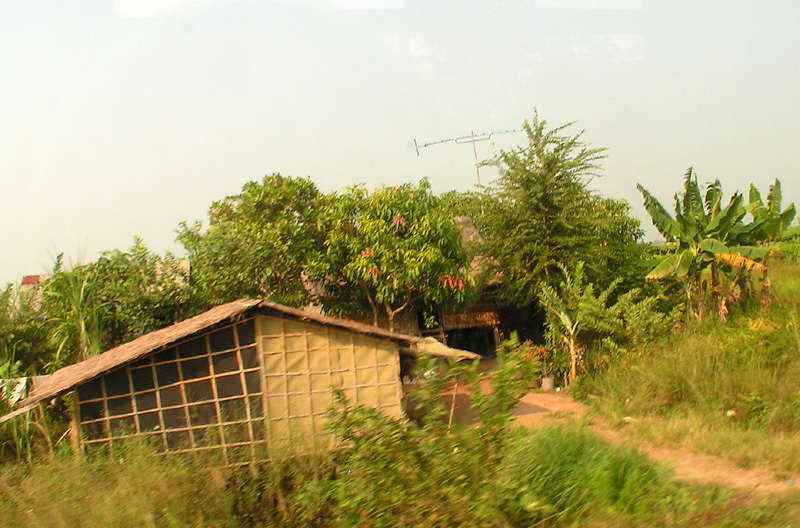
x,y
141,292
257,242
543,214
390,250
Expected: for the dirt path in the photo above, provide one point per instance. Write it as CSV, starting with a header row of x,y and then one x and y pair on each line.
x,y
537,408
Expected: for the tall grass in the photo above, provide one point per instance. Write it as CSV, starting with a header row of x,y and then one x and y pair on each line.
x,y
392,476
736,384
133,488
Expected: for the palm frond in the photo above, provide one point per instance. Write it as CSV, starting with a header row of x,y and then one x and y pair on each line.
x,y
738,261
662,220
664,268
774,198
692,199
713,197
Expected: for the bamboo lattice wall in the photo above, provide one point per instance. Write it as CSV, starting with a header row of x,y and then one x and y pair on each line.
x,y
236,392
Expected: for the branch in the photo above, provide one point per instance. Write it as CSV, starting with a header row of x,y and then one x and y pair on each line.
x,y
371,303
409,300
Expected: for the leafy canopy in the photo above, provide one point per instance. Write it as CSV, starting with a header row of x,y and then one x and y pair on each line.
x,y
390,250
541,214
257,242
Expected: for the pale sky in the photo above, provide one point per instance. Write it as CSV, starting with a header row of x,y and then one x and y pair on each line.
x,y
123,118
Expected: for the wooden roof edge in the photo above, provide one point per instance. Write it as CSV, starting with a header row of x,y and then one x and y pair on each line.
x,y
66,378
415,345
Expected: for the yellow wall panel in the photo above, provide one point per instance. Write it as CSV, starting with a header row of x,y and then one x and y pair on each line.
x,y
367,376
299,405
322,382
318,340
276,385
297,383
319,360
313,360
273,344
296,342
276,406
296,361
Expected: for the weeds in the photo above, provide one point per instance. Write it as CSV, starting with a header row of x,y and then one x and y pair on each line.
x,y
737,386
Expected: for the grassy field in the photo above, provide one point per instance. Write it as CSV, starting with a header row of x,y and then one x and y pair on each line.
x,y
728,390
555,476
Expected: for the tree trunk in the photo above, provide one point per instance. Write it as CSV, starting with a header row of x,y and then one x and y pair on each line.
x,y
699,285
573,356
766,287
715,297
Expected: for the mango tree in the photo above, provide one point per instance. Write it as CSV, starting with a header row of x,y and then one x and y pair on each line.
x,y
257,242
700,234
390,250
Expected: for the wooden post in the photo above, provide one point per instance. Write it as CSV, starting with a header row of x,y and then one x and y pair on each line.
x,y
74,428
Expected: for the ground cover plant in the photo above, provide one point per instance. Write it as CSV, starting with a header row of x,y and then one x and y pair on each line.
x,y
730,390
726,385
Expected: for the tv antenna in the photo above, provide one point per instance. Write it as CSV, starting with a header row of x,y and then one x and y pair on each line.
x,y
471,138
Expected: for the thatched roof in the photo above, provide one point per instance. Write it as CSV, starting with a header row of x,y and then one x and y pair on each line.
x,y
470,239
67,378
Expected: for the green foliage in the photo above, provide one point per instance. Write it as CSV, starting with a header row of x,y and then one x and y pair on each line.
x,y
390,250
257,243
73,306
24,337
705,235
568,474
141,292
578,319
543,214
93,307
732,379
469,204
135,487
770,224
384,472
516,369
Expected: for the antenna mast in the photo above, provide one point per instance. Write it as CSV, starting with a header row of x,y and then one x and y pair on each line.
x,y
471,138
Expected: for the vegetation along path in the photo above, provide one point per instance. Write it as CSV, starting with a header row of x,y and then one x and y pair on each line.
x,y
540,407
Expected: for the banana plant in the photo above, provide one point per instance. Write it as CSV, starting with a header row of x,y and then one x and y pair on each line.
x,y
770,229
576,309
701,233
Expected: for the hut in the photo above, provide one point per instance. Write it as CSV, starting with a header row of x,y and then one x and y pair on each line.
x,y
242,380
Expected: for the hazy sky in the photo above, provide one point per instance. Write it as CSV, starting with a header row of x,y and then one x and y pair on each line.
x,y
123,118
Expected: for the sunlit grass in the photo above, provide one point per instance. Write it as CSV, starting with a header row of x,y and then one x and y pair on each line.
x,y
729,390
